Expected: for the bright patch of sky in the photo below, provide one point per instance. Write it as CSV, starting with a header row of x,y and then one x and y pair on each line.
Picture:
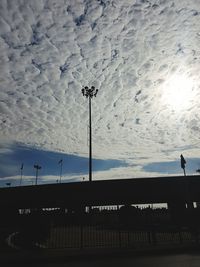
x,y
143,56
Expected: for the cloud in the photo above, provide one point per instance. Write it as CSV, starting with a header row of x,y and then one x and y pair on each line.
x,y
127,49
173,167
13,156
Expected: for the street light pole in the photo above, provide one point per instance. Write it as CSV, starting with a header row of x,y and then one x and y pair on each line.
x,y
90,146
61,165
89,93
21,172
37,167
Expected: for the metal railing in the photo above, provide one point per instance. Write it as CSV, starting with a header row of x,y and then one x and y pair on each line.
x,y
91,236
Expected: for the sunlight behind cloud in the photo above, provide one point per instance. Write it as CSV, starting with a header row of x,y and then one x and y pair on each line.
x,y
178,92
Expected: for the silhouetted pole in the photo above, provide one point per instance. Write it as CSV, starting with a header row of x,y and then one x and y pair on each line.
x,y
89,93
183,162
188,196
37,167
90,138
21,173
61,165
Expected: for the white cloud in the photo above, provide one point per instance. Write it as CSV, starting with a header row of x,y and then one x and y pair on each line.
x,y
115,173
128,49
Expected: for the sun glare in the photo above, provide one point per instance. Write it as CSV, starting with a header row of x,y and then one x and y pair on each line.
x,y
178,92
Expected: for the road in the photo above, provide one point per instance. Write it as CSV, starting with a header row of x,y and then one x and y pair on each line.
x,y
179,260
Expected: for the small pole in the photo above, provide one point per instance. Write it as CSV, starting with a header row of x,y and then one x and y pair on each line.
x,y
37,167
61,165
21,172
183,162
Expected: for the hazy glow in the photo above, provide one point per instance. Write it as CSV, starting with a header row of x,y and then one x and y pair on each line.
x,y
178,92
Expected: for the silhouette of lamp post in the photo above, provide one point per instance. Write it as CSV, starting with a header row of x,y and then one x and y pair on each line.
x,y
61,165
183,162
89,93
21,173
37,167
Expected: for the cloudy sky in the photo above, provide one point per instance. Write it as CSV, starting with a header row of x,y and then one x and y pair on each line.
x,y
142,55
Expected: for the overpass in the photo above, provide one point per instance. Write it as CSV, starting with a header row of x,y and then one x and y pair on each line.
x,y
174,189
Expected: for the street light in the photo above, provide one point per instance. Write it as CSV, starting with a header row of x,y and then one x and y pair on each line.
x,y
89,93
37,167
21,172
183,162
61,165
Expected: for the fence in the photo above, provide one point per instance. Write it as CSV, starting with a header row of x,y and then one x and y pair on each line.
x,y
102,228
90,236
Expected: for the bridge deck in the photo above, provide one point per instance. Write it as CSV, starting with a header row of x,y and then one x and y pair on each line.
x,y
104,192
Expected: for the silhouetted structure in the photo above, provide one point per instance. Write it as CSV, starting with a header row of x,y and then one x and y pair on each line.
x,y
61,165
105,192
56,215
21,173
89,93
183,162
37,167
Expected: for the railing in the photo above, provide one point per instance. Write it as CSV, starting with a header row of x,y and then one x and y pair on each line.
x,y
100,229
90,236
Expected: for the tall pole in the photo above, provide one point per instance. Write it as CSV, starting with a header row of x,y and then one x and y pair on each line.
x,y
89,93
90,146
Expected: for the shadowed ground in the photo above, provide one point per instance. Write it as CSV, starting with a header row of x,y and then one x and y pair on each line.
x,y
169,257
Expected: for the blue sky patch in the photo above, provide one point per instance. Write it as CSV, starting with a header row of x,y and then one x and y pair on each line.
x,y
173,167
11,162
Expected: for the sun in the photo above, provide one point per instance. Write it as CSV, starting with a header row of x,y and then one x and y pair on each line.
x,y
178,92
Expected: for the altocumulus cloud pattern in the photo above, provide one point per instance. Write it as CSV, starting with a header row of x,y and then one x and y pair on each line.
x,y
138,53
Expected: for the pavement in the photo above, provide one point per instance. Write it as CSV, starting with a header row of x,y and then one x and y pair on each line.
x,y
73,255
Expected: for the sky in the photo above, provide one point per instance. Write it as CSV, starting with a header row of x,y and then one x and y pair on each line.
x,y
143,56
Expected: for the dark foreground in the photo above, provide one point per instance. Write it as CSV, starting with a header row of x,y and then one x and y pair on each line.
x,y
184,260
37,231
162,256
